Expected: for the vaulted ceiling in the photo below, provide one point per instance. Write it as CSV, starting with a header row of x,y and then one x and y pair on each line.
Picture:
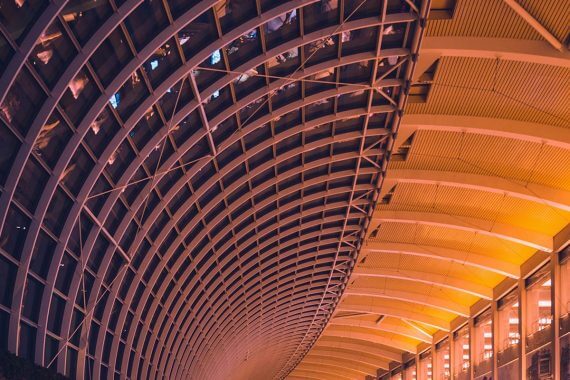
x,y
479,181
255,189
185,185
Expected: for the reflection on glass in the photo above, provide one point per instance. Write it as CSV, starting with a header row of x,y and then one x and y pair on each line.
x,y
483,344
461,353
442,360
396,374
509,336
565,356
410,370
426,366
539,321
564,314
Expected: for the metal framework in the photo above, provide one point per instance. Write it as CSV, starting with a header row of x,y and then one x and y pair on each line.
x,y
185,185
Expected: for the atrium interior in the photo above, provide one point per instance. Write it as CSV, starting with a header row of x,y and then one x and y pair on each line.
x,y
285,189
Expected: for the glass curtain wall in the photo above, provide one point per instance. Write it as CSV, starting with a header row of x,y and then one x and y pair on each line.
x,y
442,360
537,314
483,353
539,324
461,351
396,374
410,370
508,350
565,314
426,367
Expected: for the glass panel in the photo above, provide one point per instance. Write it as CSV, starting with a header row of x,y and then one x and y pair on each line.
x,y
130,96
281,29
396,375
32,299
57,211
233,13
539,364
18,16
53,52
8,271
198,34
31,184
461,353
539,308
27,347
162,63
565,355
442,361
146,22
85,16
80,97
111,57
426,367
509,371
51,348
410,371
508,320
22,102
483,344
65,273
14,232
320,14
10,146
52,139
77,171
6,53
565,297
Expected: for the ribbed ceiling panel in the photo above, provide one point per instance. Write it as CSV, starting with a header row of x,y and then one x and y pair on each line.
x,y
184,184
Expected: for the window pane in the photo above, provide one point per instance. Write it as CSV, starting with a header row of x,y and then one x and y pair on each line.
x,y
31,185
8,271
18,19
461,347
483,344
52,53
14,232
442,360
22,102
539,308
32,299
27,348
508,320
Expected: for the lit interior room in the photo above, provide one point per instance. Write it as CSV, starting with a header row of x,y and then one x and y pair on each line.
x,y
285,189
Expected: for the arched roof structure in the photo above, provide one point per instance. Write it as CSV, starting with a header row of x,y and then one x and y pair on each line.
x,y
477,184
258,189
185,185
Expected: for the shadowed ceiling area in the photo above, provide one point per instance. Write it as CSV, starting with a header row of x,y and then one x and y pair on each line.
x,y
185,185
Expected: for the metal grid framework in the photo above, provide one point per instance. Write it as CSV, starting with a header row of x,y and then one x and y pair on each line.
x,y
184,185
475,201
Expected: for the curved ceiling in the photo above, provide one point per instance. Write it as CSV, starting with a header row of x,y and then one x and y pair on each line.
x,y
477,184
184,185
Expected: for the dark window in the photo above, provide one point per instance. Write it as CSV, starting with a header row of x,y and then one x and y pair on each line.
x,y
32,299
27,348
85,17
52,54
31,185
14,232
23,101
17,20
10,145
57,211
8,273
65,273
56,310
